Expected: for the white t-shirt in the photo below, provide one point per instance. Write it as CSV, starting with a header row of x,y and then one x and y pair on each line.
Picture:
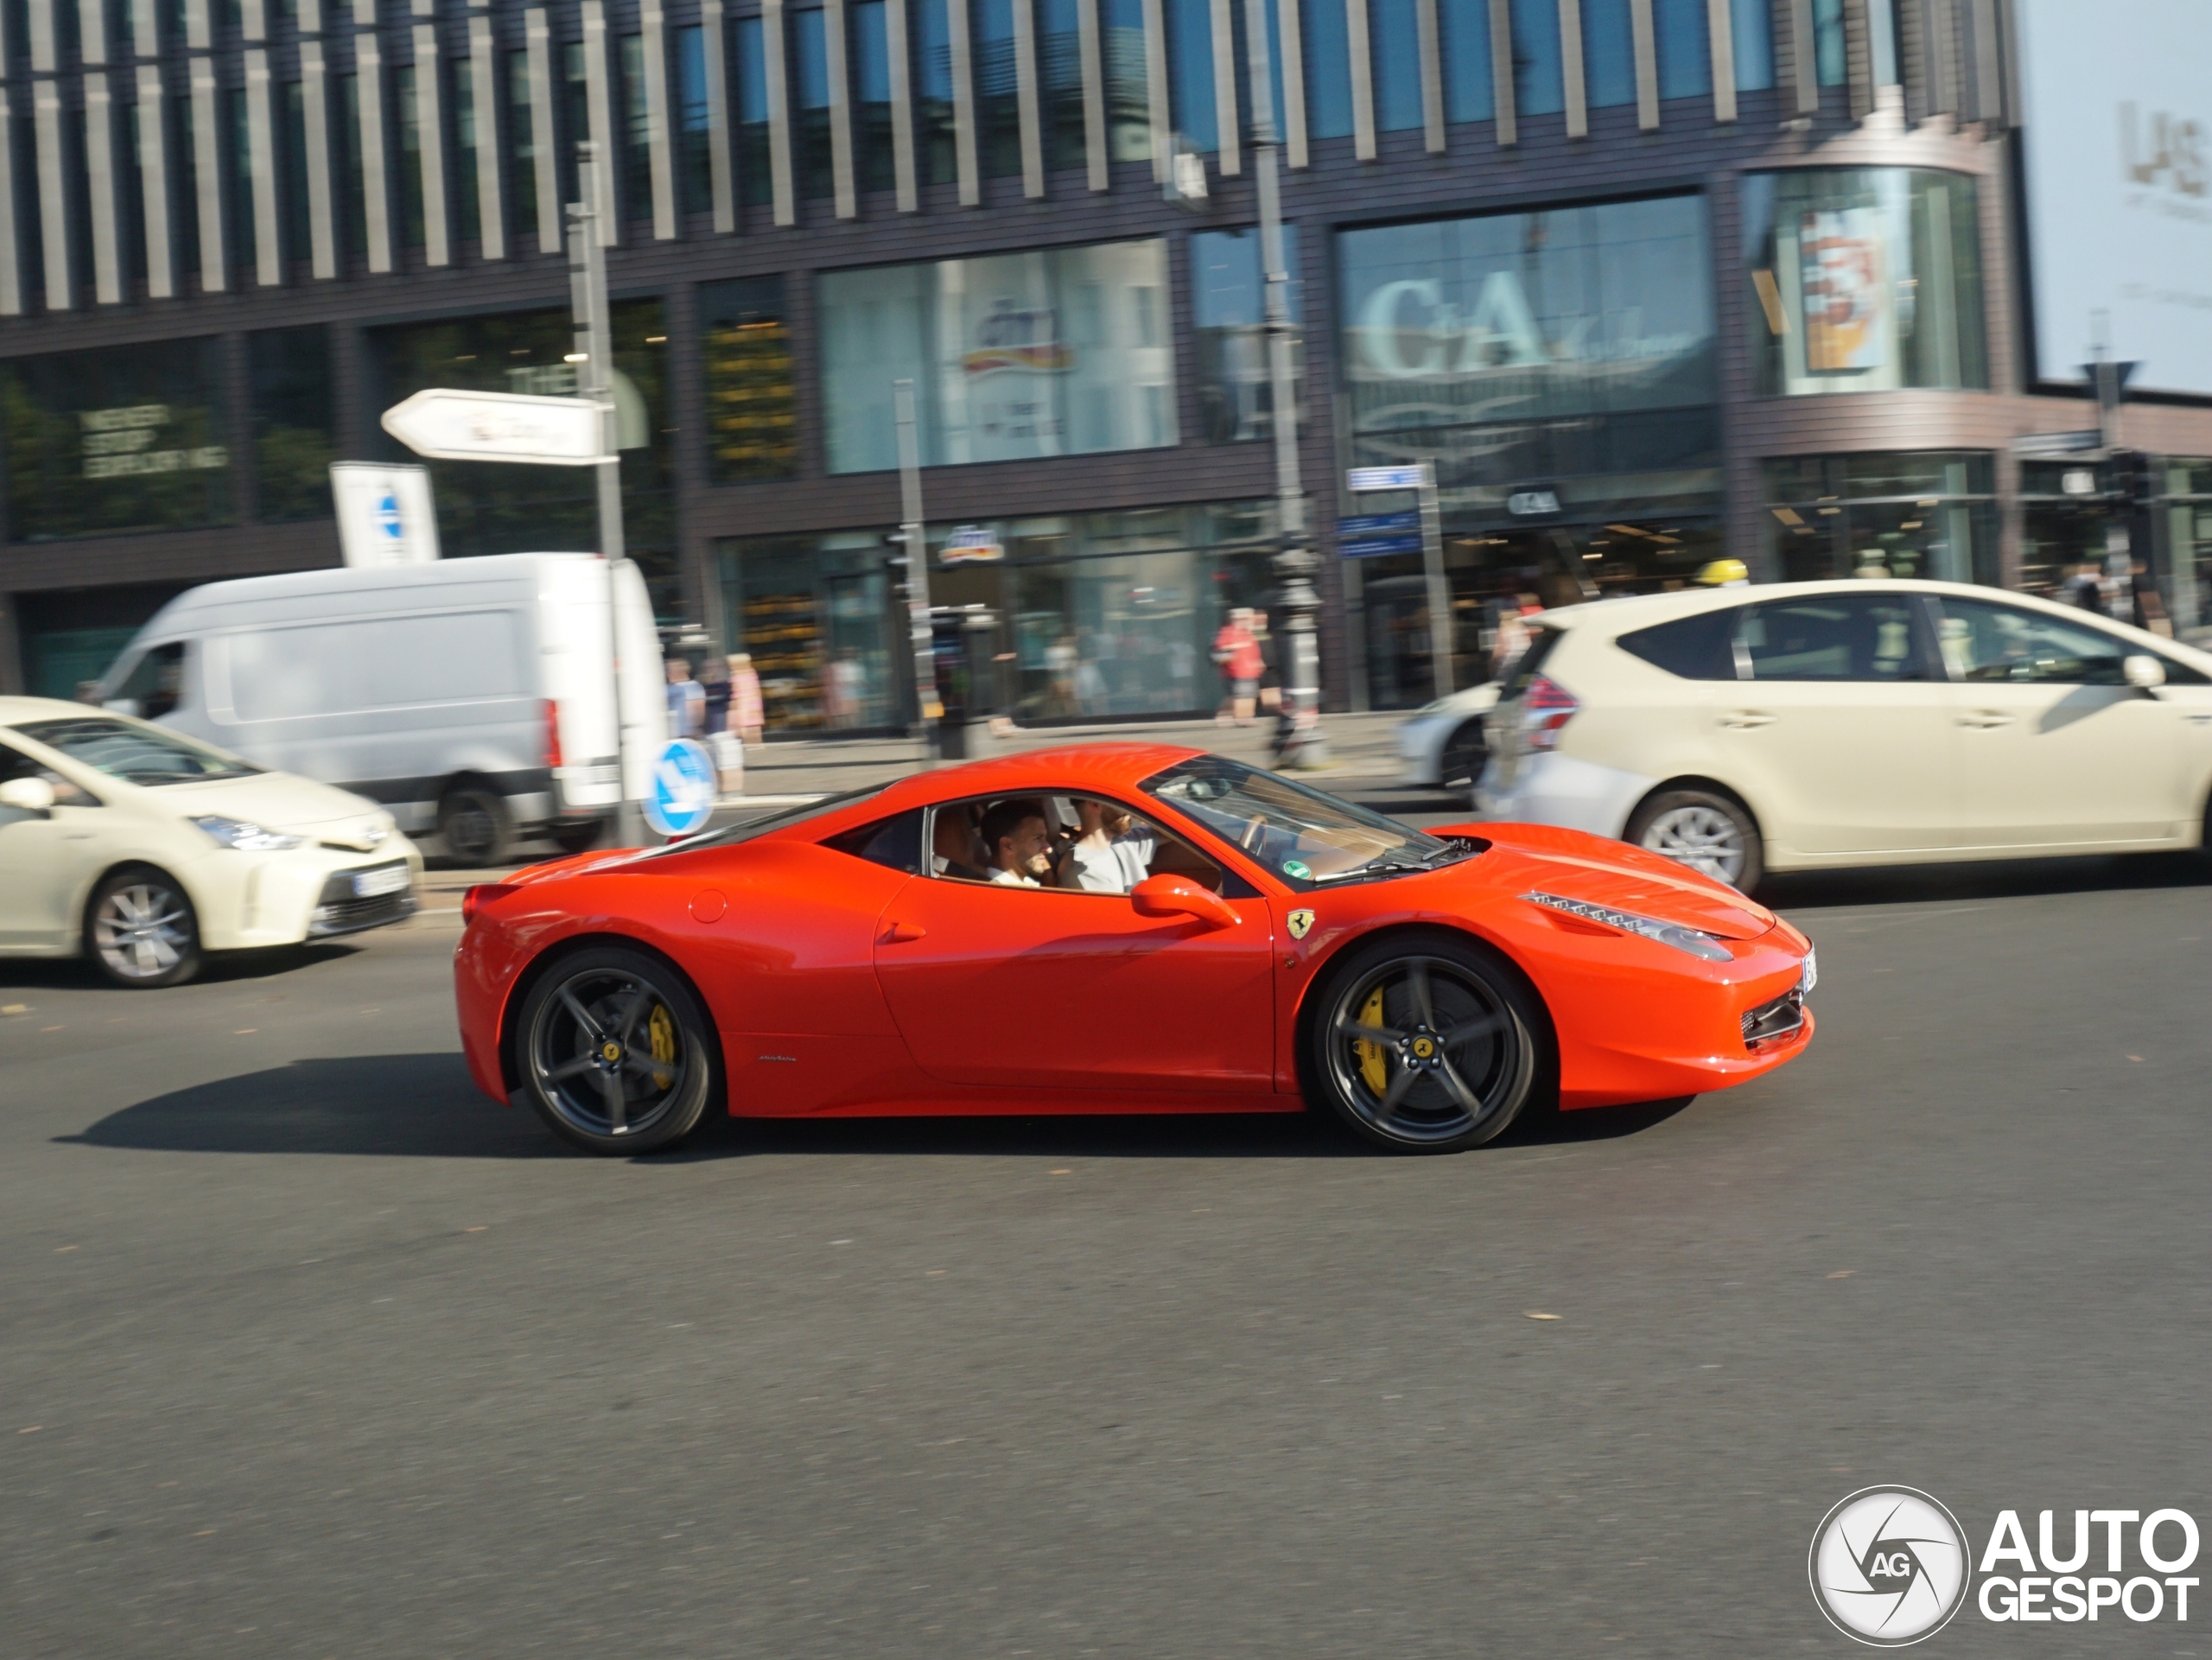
x,y
1012,879
1117,866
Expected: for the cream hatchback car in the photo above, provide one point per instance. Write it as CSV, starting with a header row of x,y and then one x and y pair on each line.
x,y
1808,725
141,848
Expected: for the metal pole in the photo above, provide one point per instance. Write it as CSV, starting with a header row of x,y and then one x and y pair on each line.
x,y
1440,587
594,356
1305,745
917,569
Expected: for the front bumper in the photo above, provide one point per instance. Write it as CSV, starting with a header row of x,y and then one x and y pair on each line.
x,y
1554,789
249,902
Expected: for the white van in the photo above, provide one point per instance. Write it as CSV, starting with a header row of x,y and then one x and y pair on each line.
x,y
474,697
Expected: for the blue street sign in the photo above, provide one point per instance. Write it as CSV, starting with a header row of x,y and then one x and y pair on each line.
x,y
681,797
1379,524
1367,547
1384,477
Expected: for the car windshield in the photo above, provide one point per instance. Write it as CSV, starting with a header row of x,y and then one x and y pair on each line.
x,y
136,754
1305,836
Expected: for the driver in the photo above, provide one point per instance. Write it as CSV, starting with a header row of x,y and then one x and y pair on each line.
x,y
1020,845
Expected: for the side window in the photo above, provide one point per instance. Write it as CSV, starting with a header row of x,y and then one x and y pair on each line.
x,y
893,842
1833,637
14,764
1072,843
156,683
1695,648
1983,641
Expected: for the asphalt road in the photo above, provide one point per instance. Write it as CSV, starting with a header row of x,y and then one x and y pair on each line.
x,y
306,1349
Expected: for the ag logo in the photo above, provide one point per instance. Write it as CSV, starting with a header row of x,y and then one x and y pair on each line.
x,y
1301,924
1889,1566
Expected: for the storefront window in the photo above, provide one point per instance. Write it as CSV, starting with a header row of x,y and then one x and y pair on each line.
x,y
128,438
497,507
1064,351
2185,484
1863,279
1518,346
1082,617
295,423
752,419
1236,395
1888,514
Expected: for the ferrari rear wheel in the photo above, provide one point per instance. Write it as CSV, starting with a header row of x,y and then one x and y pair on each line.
x,y
1424,1043
617,1055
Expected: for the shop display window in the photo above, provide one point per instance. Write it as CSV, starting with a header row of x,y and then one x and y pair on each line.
x,y
1228,284
295,423
1893,514
752,397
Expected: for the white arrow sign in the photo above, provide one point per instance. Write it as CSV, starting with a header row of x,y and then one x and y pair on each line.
x,y
455,426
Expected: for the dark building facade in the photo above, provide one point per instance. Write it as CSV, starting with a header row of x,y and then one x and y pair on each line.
x,y
1696,279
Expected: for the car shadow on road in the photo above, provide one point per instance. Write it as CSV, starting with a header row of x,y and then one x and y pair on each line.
x,y
75,974
1808,890
425,1106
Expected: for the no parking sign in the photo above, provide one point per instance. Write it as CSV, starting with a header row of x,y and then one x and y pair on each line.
x,y
681,797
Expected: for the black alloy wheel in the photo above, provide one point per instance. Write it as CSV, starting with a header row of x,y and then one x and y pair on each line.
x,y
1425,1043
616,1051
140,929
473,824
1465,754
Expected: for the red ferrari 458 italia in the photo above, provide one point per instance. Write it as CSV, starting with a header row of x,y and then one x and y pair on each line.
x,y
1116,928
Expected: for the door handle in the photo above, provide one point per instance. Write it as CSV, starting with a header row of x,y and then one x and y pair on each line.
x,y
1985,717
1744,719
900,933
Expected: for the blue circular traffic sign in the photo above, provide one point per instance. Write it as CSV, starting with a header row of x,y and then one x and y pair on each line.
x,y
681,797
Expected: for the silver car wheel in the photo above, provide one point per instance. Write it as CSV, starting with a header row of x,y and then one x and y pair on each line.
x,y
142,931
1707,840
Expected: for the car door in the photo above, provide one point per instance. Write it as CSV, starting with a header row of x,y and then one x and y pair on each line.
x,y
46,860
2057,752
1046,988
1839,726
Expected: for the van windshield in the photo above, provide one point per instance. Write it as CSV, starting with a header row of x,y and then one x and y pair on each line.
x,y
134,752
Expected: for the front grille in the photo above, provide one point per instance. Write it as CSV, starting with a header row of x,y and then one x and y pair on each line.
x,y
1777,1019
337,912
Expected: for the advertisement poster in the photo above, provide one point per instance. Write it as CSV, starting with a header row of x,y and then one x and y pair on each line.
x,y
1007,355
1843,278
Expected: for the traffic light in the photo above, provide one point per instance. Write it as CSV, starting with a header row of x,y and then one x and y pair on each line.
x,y
2133,480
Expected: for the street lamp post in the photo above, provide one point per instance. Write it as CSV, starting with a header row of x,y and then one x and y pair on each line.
x,y
1307,746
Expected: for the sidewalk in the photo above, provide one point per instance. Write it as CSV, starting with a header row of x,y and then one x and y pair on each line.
x,y
1362,751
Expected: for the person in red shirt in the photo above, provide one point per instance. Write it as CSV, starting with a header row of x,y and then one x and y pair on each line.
x,y
1239,655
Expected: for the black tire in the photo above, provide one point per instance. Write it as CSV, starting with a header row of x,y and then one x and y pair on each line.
x,y
610,1001
472,822
1459,1042
578,839
1710,832
140,930
1464,756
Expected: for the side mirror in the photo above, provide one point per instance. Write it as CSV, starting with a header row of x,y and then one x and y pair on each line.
x,y
1178,896
2143,671
32,795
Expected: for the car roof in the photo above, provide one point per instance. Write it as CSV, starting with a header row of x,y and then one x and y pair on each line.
x,y
14,711
1108,767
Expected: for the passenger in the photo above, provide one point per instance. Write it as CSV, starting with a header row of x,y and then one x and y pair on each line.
x,y
954,846
1015,832
1114,852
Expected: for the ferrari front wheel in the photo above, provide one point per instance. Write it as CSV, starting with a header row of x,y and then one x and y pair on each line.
x,y
1424,1043
617,1055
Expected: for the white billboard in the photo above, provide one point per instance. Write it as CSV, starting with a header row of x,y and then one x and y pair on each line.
x,y
2117,119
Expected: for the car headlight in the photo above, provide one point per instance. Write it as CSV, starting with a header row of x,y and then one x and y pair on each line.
x,y
245,837
1667,933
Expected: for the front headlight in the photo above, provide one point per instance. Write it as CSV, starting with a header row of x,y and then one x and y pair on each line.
x,y
245,837
1667,933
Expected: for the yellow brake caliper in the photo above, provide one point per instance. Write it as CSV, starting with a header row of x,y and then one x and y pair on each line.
x,y
1372,1065
662,1029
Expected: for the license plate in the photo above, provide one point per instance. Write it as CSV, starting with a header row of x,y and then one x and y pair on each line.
x,y
370,884
1811,975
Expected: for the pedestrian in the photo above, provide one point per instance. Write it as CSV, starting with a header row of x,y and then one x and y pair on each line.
x,y
2085,587
723,744
744,698
1270,663
1238,654
687,701
2150,609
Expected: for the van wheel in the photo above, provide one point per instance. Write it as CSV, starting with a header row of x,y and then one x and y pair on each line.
x,y
1712,834
472,822
140,929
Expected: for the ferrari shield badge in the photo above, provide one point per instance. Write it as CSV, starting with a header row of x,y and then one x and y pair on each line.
x,y
1301,921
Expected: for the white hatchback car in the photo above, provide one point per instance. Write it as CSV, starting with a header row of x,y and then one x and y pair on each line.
x,y
140,848
1444,743
1807,725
